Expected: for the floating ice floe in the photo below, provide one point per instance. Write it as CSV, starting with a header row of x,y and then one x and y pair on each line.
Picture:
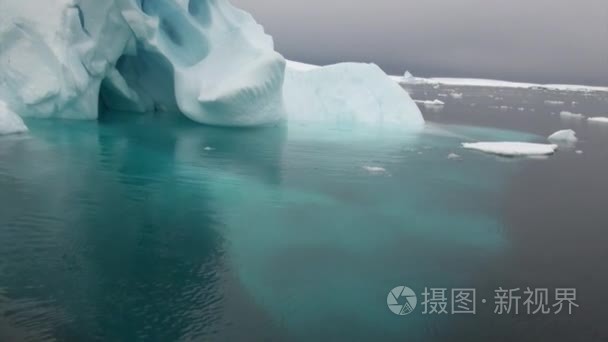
x,y
512,149
564,136
456,95
598,119
375,169
10,122
454,156
431,104
554,103
571,115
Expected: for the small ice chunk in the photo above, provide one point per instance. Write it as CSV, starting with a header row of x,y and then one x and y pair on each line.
x,y
579,152
209,148
570,115
456,95
432,103
374,169
521,109
453,156
598,119
566,135
10,122
435,104
512,149
554,103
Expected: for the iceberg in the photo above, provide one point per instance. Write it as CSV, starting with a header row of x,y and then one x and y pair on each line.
x,y
205,59
564,136
348,94
10,122
512,149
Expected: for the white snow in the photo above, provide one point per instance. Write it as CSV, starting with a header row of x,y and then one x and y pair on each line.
x,y
571,115
598,119
564,136
347,94
512,149
10,122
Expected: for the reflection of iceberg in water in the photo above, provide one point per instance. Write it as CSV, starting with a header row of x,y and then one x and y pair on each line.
x,y
111,228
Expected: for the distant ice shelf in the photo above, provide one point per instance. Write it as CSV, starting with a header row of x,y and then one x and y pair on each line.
x,y
408,78
512,149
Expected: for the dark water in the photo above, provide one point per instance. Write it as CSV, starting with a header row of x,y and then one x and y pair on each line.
x,y
152,228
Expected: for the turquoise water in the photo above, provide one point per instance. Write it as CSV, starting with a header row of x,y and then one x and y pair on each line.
x,y
154,228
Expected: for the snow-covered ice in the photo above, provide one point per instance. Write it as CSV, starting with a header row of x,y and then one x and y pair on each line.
x,y
570,115
512,149
454,156
563,136
554,102
598,119
10,122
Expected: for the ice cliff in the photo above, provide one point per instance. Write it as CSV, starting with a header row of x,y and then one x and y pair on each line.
x,y
203,58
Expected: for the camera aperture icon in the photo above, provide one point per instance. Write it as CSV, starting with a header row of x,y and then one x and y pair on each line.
x,y
402,300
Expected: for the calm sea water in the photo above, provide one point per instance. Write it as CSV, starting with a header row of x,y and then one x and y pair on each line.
x,y
153,228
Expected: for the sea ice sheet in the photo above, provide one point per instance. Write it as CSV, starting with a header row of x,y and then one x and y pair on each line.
x,y
512,149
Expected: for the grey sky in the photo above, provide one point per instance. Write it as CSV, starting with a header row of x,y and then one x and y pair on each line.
x,y
547,41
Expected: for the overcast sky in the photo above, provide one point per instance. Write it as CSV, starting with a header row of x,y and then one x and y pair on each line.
x,y
547,41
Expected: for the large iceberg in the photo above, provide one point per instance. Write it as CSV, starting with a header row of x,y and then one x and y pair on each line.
x,y
203,58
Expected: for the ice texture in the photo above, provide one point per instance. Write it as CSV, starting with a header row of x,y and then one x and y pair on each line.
x,y
564,136
10,122
348,94
512,149
205,59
